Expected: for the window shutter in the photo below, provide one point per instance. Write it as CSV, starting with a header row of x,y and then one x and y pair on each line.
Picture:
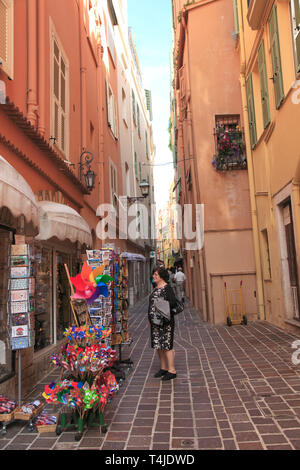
x,y
264,84
135,165
133,107
6,36
296,31
236,17
108,106
276,59
251,111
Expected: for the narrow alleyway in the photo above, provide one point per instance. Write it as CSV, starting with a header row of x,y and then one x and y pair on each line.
x,y
236,389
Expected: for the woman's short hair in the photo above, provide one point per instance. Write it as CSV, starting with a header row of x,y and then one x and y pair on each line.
x,y
162,272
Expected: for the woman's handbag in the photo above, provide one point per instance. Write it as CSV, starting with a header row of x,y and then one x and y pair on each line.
x,y
162,307
179,307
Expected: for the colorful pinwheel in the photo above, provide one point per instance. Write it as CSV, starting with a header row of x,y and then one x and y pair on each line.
x,y
90,284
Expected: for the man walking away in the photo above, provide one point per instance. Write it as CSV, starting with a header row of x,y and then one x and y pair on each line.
x,y
180,279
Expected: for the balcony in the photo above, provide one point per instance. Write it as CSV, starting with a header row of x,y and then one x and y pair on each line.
x,y
230,149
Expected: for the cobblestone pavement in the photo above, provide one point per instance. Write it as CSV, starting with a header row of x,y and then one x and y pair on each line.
x,y
236,388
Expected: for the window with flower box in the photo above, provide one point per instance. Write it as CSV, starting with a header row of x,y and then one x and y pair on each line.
x,y
230,144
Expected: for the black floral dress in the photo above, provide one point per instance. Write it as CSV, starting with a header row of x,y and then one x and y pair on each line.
x,y
162,337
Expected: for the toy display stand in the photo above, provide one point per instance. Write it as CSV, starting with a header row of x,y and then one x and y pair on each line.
x,y
94,418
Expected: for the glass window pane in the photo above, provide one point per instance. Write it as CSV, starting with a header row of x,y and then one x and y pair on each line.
x,y
63,309
56,79
43,321
5,352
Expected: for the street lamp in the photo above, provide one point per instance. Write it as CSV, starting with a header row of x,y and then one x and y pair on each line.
x,y
89,176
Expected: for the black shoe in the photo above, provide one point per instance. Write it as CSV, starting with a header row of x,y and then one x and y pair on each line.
x,y
160,373
169,376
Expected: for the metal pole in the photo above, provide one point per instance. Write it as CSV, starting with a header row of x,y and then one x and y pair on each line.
x,y
19,379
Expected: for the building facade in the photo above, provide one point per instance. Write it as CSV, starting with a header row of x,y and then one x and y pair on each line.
x,y
210,156
269,47
59,121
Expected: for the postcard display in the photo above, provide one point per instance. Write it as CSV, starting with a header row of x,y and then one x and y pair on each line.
x,y
20,307
113,310
21,298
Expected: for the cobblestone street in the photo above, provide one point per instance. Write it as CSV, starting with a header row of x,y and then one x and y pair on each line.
x,y
236,388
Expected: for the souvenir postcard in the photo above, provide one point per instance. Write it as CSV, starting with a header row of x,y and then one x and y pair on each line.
x,y
19,261
18,295
19,307
18,272
19,319
19,284
18,331
19,250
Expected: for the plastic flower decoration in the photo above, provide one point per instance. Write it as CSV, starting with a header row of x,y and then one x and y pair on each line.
x,y
90,284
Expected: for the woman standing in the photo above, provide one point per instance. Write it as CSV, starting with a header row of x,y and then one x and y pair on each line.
x,y
162,336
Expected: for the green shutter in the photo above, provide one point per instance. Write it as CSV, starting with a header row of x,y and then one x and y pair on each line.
x,y
276,59
264,84
236,17
296,31
135,165
251,111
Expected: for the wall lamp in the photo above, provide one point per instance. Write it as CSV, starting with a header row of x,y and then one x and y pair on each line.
x,y
86,159
144,187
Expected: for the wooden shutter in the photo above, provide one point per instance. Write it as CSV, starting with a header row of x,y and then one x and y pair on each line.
x,y
108,106
296,31
264,84
251,111
236,17
6,36
133,107
276,59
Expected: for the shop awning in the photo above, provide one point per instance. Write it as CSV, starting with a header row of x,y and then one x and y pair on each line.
x,y
62,222
133,257
17,196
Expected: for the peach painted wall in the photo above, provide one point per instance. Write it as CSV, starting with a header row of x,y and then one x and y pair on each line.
x,y
211,73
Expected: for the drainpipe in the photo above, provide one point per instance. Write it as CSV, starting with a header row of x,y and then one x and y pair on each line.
x,y
32,105
82,77
41,67
255,228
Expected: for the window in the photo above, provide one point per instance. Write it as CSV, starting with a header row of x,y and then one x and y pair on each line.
x,y
251,111
6,363
276,58
113,185
146,143
124,107
230,144
7,37
138,119
59,96
295,4
133,108
135,165
111,111
262,68
266,255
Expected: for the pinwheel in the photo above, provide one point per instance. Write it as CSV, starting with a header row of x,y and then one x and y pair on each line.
x,y
90,284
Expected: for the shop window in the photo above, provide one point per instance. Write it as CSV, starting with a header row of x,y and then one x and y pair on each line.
x,y
63,309
6,366
59,96
43,299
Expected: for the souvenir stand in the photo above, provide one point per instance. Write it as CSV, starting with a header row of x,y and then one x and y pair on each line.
x,y
86,382
20,306
107,311
120,335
